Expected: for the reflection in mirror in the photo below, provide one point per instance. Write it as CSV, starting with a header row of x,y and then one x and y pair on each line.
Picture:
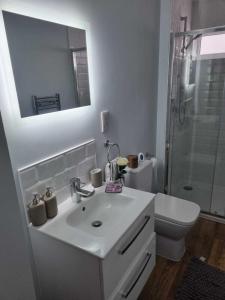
x,y
49,63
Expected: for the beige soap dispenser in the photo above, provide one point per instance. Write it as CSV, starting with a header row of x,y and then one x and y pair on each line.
x,y
37,211
50,203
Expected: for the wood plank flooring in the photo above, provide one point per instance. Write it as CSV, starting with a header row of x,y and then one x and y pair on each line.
x,y
207,238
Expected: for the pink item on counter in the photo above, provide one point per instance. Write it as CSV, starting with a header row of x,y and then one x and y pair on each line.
x,y
114,187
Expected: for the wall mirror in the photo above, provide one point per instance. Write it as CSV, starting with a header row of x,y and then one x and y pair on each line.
x,y
49,63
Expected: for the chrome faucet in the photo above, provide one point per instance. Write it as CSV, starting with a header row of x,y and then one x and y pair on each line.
x,y
76,189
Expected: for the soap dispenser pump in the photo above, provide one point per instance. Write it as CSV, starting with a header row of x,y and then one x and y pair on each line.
x,y
37,211
50,203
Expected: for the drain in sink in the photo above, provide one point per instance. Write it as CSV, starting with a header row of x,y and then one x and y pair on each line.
x,y
96,223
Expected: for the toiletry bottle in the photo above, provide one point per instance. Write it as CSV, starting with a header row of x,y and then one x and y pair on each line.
x,y
37,211
50,203
107,173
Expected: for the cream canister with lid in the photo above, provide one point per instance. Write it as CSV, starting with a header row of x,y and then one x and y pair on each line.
x,y
37,211
50,203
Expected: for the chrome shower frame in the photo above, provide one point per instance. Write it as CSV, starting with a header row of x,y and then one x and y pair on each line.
x,y
171,99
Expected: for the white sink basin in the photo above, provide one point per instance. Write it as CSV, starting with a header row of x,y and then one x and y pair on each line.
x,y
114,212
98,216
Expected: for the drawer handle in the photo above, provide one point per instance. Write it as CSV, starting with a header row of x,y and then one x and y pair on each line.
x,y
134,281
138,231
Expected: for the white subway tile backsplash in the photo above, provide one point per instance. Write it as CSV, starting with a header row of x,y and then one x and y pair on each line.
x,y
49,182
90,149
60,180
57,172
63,194
85,167
74,157
50,167
71,173
28,177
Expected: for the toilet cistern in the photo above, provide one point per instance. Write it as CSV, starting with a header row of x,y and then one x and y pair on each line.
x,y
76,189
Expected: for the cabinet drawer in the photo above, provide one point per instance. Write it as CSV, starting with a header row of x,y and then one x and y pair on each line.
x,y
127,249
136,277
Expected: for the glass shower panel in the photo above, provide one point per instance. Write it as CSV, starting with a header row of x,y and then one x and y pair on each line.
x,y
181,128
197,94
209,99
218,194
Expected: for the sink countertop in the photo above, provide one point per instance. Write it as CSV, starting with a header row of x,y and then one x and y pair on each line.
x,y
72,225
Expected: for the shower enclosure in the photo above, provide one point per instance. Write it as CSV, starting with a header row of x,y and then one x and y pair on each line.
x,y
196,119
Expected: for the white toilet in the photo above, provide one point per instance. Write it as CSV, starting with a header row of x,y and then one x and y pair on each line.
x,y
174,217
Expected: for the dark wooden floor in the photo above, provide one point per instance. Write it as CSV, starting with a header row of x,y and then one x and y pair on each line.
x,y
207,238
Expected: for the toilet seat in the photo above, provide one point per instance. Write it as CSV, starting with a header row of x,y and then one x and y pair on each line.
x,y
176,210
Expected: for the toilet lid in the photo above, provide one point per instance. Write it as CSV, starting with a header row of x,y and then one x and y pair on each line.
x,y
176,210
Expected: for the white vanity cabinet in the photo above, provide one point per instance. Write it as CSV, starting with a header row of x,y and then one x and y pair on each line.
x,y
121,258
66,272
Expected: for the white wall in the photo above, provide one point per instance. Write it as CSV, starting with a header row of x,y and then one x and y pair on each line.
x,y
181,8
15,271
122,39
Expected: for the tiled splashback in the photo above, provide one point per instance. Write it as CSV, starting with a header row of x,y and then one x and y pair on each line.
x,y
56,171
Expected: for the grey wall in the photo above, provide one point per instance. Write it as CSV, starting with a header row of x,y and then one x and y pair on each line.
x,y
41,60
123,46
200,13
208,13
180,8
15,271
77,38
122,39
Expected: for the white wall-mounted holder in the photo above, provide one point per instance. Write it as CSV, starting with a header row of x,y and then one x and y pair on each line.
x,y
104,118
